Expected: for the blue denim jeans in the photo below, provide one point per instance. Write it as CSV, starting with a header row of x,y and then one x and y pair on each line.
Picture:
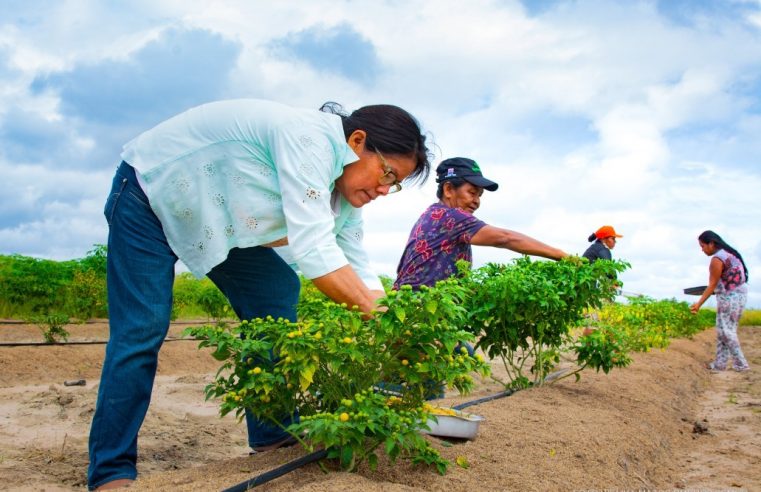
x,y
140,275
258,284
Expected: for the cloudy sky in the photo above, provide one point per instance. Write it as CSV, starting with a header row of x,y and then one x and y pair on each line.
x,y
641,114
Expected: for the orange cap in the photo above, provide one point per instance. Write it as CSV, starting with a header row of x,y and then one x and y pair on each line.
x,y
606,231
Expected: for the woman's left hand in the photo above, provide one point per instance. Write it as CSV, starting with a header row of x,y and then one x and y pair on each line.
x,y
694,308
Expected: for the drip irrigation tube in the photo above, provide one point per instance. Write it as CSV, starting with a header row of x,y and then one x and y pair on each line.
x,y
83,342
318,455
277,472
484,399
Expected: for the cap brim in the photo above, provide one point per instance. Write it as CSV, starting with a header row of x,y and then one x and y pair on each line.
x,y
481,182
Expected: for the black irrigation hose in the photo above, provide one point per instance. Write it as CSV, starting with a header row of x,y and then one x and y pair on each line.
x,y
278,472
86,342
484,399
318,455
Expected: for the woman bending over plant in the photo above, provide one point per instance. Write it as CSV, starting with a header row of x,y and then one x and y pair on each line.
x,y
219,187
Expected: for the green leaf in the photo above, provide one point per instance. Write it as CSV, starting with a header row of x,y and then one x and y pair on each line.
x,y
372,461
431,306
306,376
347,457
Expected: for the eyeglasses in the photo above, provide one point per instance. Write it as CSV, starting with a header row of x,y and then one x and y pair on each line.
x,y
389,177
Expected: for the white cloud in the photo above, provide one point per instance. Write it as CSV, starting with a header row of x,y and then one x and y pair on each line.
x,y
593,112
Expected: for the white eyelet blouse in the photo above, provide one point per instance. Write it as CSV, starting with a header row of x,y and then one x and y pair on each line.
x,y
246,172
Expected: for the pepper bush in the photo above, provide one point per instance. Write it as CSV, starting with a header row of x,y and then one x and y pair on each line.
x,y
523,312
358,383
647,323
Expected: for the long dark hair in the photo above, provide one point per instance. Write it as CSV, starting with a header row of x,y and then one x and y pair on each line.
x,y
592,237
711,237
390,130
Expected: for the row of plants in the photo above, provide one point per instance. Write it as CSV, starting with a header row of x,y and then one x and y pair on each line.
x,y
523,313
52,294
643,323
33,287
751,317
615,330
359,384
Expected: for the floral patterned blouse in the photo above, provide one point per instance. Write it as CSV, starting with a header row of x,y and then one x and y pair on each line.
x,y
440,238
243,173
733,274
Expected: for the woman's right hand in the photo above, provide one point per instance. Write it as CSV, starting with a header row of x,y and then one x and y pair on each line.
x,y
345,286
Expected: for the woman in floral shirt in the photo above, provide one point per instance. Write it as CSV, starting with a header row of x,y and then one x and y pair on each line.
x,y
447,229
239,191
727,278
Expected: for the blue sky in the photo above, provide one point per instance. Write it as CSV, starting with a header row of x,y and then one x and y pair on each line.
x,y
645,115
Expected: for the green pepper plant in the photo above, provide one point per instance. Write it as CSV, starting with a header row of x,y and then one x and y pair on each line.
x,y
357,382
647,323
523,312
51,326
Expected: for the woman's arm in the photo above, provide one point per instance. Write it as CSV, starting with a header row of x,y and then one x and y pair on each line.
x,y
515,241
344,285
714,274
349,239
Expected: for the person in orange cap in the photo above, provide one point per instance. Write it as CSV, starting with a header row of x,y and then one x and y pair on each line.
x,y
604,240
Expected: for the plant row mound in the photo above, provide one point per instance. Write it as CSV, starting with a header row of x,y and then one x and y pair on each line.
x,y
635,428
624,430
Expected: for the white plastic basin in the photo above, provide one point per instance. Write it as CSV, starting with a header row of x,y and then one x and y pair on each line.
x,y
461,425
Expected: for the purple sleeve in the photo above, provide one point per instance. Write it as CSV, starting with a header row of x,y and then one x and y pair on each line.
x,y
464,225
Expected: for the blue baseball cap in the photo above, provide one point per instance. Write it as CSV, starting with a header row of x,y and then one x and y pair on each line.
x,y
463,168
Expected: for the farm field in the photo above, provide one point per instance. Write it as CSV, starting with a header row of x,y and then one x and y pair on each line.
x,y
664,422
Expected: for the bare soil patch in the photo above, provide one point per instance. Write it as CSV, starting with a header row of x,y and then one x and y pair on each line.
x,y
662,423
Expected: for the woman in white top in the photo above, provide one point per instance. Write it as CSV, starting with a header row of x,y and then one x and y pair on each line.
x,y
242,191
728,276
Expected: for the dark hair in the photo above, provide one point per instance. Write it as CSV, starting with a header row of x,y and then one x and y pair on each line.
x,y
711,237
390,130
455,182
592,237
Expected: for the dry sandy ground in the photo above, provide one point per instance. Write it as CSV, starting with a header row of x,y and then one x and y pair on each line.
x,y
662,423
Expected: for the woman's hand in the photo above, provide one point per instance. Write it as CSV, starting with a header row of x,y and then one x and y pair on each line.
x,y
344,286
378,294
714,274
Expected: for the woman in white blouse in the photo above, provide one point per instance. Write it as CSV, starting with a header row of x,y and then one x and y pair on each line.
x,y
242,191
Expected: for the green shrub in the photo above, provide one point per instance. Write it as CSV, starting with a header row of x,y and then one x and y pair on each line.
x,y
751,317
602,349
52,326
86,295
185,294
212,301
523,311
33,285
648,323
337,368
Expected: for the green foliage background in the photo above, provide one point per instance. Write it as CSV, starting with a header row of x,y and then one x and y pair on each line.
x,y
34,288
